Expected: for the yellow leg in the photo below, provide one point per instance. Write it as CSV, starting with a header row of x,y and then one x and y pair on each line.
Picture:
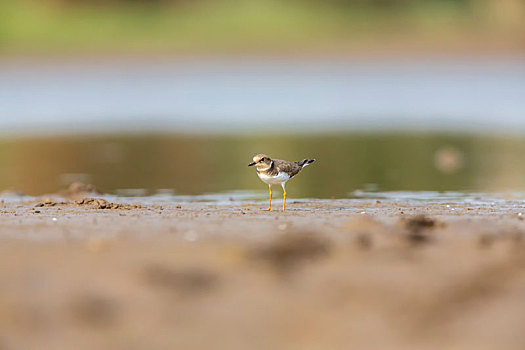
x,y
284,203
270,207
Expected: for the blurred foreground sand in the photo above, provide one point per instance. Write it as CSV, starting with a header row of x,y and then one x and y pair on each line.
x,y
323,275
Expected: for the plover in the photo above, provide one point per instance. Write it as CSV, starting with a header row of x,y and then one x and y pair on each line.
x,y
277,172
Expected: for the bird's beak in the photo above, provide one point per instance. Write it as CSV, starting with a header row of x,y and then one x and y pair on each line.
x,y
252,163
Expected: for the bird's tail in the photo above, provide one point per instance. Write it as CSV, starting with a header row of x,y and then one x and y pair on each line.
x,y
306,162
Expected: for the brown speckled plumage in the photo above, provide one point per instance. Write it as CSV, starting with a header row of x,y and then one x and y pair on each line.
x,y
279,165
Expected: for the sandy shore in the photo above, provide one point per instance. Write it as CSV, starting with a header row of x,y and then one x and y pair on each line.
x,y
326,274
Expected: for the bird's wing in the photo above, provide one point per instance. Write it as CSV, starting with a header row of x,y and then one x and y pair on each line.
x,y
292,168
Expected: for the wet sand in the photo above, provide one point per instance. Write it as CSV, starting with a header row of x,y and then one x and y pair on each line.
x,y
326,274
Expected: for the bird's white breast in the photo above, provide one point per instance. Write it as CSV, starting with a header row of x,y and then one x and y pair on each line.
x,y
274,180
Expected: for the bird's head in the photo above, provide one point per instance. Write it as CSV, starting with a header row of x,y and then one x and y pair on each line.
x,y
261,162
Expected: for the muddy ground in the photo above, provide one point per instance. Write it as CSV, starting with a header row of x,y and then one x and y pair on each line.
x,y
326,274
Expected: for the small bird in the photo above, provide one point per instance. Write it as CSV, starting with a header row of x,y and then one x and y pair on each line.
x,y
277,172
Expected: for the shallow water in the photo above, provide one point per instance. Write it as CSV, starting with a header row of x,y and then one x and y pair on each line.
x,y
514,199
347,165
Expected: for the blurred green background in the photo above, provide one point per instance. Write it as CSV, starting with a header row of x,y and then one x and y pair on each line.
x,y
196,164
322,26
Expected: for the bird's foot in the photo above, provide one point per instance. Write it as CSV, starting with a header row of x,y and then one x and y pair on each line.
x,y
269,209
